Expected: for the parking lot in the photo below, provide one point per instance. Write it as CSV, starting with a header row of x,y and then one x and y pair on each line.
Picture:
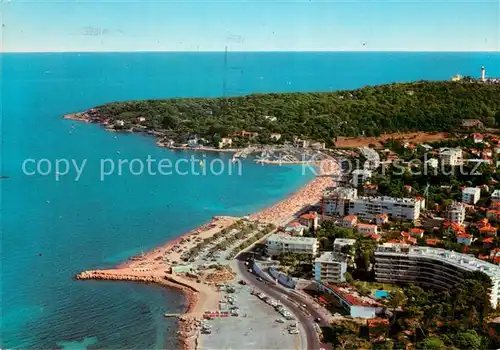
x,y
255,327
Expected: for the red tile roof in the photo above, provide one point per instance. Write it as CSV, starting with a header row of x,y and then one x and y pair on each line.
x,y
416,231
488,240
309,216
432,241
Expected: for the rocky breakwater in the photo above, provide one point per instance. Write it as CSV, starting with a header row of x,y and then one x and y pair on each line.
x,y
102,275
190,294
188,323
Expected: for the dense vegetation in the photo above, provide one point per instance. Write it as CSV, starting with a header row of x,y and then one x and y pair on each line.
x,y
372,110
429,319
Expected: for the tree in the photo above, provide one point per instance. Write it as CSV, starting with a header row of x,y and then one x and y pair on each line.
x,y
396,300
352,341
432,343
467,340
348,277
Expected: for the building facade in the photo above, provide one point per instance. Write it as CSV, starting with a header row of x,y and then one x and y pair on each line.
x,y
456,212
330,267
471,195
345,202
335,201
277,244
451,156
367,208
430,267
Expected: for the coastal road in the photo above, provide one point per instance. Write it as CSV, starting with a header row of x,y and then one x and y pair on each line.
x,y
290,300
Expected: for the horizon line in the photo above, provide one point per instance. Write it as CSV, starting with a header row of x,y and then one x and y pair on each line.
x,y
256,51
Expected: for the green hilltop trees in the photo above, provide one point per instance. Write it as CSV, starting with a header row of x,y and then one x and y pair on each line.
x,y
321,116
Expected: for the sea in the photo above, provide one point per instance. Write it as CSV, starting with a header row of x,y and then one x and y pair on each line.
x,y
54,225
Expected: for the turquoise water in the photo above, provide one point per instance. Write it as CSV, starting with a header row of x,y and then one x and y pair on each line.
x,y
53,229
379,294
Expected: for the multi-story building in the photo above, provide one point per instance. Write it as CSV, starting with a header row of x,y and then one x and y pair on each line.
x,y
456,212
278,243
471,195
451,156
330,267
430,267
359,176
344,201
367,208
336,200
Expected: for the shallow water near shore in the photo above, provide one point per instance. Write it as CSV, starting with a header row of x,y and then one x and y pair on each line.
x,y
54,229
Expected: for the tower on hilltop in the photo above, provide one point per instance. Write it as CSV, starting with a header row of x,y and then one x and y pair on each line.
x,y
483,74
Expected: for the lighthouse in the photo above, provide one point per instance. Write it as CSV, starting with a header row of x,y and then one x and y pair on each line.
x,y
483,74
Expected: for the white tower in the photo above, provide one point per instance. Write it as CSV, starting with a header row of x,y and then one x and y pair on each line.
x,y
483,74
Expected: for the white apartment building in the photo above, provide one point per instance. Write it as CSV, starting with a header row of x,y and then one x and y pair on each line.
x,y
451,156
495,196
343,201
330,267
359,176
367,208
430,267
339,243
471,195
277,244
335,201
456,212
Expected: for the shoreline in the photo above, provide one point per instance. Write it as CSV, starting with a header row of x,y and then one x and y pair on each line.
x,y
149,267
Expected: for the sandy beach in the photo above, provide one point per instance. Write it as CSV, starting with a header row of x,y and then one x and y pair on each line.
x,y
308,195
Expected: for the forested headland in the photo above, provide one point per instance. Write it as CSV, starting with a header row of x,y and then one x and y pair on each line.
x,y
322,116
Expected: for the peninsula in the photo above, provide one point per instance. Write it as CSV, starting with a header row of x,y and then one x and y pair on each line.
x,y
318,118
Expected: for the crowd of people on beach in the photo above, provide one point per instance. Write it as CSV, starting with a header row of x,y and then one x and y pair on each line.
x,y
306,196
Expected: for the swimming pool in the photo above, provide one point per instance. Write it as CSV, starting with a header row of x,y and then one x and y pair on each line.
x,y
380,294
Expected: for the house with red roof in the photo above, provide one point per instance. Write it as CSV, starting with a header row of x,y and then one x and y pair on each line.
x,y
310,220
349,221
487,242
478,138
366,228
453,228
355,304
374,236
417,232
488,230
465,238
432,241
370,189
295,228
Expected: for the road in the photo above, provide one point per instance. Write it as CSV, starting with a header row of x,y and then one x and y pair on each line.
x,y
288,299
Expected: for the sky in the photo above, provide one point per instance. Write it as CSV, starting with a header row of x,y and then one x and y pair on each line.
x,y
253,25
